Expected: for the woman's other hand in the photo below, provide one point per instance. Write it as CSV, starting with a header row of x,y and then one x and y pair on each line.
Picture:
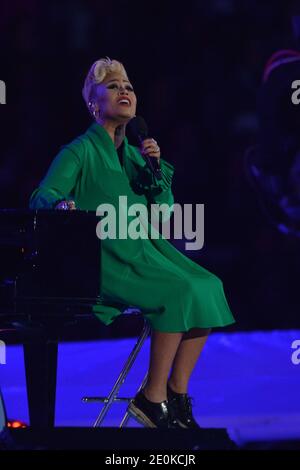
x,y
66,205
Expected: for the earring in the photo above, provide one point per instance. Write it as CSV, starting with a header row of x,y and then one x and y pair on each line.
x,y
91,106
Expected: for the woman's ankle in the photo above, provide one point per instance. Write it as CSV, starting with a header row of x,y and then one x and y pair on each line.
x,y
154,396
177,387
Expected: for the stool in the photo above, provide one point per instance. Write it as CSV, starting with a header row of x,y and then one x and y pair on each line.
x,y
113,395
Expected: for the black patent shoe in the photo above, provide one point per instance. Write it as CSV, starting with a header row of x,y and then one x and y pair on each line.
x,y
180,406
150,414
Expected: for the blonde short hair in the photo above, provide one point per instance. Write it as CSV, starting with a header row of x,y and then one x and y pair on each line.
x,y
97,73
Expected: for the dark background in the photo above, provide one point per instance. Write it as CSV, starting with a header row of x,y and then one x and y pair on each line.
x,y
196,67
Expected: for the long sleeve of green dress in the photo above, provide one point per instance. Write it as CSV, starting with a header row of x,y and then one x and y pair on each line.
x,y
173,292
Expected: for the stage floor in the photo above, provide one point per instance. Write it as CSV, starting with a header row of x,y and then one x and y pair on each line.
x,y
245,382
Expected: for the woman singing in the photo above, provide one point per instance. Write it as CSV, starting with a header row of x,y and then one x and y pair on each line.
x,y
181,300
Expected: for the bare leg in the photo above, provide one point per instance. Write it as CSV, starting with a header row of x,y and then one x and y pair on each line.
x,y
186,358
162,353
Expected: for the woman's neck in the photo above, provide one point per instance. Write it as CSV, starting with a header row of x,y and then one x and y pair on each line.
x,y
116,131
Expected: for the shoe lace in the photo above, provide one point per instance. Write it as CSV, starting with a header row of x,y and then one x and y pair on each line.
x,y
189,402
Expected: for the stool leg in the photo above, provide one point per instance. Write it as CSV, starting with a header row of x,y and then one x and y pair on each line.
x,y
115,390
127,414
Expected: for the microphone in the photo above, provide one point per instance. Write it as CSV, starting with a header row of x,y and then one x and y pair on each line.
x,y
139,130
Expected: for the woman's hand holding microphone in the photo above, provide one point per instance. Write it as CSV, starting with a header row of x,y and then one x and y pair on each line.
x,y
150,148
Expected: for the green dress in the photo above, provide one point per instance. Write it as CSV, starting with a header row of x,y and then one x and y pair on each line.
x,y
173,292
